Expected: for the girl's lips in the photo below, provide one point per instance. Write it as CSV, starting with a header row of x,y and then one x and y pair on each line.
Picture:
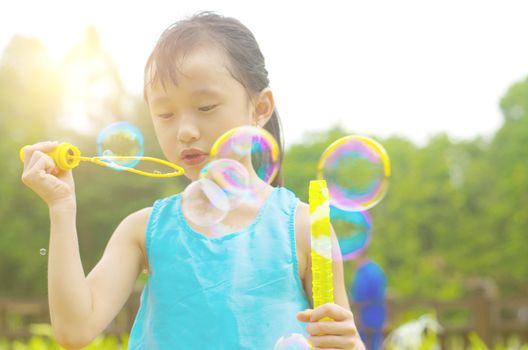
x,y
193,156
194,159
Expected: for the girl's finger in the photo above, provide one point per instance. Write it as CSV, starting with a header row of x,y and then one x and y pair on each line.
x,y
44,147
331,328
40,161
41,166
334,311
331,341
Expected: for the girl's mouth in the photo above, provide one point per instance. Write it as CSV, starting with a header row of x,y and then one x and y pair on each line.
x,y
193,156
194,159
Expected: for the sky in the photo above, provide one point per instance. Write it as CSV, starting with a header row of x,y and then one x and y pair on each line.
x,y
377,68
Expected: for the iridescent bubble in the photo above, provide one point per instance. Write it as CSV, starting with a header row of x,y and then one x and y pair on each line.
x,y
231,176
204,203
43,251
294,341
353,230
254,147
121,139
222,186
357,171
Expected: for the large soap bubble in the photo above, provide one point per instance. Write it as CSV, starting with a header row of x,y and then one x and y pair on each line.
x,y
357,171
254,147
353,230
120,139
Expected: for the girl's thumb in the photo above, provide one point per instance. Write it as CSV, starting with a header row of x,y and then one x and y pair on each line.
x,y
304,316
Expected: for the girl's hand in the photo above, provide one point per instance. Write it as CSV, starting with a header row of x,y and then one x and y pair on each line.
x,y
338,334
41,174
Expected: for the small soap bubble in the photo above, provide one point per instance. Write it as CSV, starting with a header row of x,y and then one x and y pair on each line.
x,y
353,230
357,171
43,251
120,139
294,341
231,176
222,186
253,147
111,162
204,203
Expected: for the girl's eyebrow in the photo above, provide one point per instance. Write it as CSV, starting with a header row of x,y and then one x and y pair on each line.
x,y
206,90
161,99
203,90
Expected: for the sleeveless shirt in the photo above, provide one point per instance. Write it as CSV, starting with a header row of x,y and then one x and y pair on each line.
x,y
238,291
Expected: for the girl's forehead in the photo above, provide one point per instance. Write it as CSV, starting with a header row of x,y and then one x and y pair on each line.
x,y
199,72
200,65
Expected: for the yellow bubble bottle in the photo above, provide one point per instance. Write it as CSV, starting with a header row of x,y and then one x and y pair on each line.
x,y
321,244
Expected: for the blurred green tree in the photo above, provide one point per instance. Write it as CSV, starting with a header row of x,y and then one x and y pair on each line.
x,y
455,209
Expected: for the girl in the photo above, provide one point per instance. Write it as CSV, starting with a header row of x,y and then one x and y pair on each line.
x,y
242,290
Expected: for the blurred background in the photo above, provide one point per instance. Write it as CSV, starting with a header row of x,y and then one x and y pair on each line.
x,y
443,87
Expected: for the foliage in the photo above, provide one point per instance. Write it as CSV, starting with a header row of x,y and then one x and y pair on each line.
x,y
31,108
42,339
455,210
475,343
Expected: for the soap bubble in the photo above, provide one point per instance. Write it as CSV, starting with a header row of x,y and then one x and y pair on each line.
x,y
357,171
254,147
243,160
120,139
204,203
231,176
353,230
222,186
294,341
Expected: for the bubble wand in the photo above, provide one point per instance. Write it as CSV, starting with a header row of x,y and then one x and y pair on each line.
x,y
66,156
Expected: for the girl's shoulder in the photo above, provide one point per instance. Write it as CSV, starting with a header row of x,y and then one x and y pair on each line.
x,y
137,225
138,219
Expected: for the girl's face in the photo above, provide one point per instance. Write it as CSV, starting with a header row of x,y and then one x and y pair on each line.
x,y
206,102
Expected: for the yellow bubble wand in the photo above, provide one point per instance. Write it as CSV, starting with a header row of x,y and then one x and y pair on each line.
x,y
66,156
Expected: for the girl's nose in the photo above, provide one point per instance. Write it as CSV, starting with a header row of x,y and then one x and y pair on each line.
x,y
188,131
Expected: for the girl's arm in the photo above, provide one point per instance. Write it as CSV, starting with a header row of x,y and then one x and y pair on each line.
x,y
80,307
342,333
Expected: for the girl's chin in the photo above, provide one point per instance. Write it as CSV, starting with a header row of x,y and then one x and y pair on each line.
x,y
192,174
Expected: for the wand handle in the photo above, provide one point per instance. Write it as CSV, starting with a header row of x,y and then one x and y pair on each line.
x,y
66,156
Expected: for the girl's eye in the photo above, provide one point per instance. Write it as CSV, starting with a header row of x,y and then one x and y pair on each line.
x,y
207,108
165,115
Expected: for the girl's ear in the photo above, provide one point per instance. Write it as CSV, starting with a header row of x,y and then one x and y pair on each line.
x,y
264,105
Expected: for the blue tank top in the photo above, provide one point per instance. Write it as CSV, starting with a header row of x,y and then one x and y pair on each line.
x,y
238,291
